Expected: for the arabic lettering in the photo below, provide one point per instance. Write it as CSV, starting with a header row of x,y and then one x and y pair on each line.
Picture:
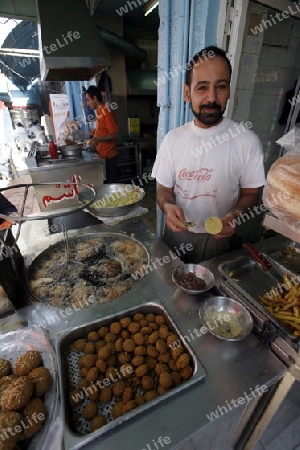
x,y
48,199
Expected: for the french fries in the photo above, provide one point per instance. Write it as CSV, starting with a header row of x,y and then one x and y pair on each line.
x,y
283,301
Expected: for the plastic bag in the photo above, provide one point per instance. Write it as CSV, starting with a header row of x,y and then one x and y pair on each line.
x,y
281,194
12,345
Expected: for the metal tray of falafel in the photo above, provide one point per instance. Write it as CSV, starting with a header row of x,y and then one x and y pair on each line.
x,y
119,366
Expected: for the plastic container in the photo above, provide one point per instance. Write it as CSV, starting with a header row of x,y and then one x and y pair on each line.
x,y
53,150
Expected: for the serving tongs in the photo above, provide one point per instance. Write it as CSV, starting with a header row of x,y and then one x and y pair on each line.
x,y
67,249
257,256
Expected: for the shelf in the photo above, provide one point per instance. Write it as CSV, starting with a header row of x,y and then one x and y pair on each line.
x,y
273,223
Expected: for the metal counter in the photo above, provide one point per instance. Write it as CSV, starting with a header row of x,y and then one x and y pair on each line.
x,y
87,170
234,369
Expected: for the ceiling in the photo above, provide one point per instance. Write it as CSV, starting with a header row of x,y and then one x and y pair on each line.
x,y
24,35
132,15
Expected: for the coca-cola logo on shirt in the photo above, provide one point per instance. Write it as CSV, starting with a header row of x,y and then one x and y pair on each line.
x,y
203,174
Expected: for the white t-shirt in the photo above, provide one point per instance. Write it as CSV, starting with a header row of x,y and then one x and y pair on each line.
x,y
207,167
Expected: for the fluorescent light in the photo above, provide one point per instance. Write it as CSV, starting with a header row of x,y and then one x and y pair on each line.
x,y
151,6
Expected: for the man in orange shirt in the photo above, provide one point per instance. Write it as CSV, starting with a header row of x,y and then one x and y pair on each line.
x,y
106,133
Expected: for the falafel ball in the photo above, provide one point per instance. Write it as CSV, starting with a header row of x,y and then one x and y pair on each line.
x,y
42,380
183,361
93,336
89,348
90,410
5,367
165,380
186,373
34,409
141,370
124,358
17,394
27,362
129,406
101,365
119,387
129,345
137,361
79,344
140,350
117,410
87,361
125,321
128,394
115,328
147,383
97,422
133,327
103,331
105,395
138,338
150,395
153,337
161,345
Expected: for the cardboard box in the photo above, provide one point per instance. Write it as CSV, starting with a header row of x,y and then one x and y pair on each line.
x,y
134,128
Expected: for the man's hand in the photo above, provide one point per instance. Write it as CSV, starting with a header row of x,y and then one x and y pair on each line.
x,y
228,227
174,218
94,142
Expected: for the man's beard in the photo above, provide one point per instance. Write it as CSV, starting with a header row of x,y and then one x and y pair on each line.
x,y
209,118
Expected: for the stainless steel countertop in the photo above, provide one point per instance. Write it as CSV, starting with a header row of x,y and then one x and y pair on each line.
x,y
88,159
233,368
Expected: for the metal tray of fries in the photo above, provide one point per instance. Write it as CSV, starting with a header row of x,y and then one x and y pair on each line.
x,y
264,290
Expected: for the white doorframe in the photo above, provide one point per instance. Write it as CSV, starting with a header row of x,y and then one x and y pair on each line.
x,y
235,45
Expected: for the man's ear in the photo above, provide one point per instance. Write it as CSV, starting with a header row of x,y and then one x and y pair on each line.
x,y
186,93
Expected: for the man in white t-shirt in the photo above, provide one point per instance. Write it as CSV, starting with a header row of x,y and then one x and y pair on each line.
x,y
210,167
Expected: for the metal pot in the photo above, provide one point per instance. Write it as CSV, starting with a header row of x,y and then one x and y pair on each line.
x,y
42,151
72,150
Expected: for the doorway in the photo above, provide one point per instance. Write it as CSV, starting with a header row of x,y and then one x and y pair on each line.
x,y
268,70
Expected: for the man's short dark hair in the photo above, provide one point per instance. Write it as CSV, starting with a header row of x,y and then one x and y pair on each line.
x,y
93,91
206,53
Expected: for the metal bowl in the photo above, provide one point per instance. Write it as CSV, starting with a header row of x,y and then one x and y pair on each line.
x,y
236,326
199,271
42,151
106,193
71,150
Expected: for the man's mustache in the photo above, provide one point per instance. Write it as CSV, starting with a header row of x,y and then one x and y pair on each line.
x,y
211,105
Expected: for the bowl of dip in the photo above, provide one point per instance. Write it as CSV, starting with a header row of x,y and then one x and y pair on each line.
x,y
226,318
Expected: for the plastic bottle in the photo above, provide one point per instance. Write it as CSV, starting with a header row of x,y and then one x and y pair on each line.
x,y
53,150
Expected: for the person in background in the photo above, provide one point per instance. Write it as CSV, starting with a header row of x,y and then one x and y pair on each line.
x,y
6,207
37,130
210,167
12,268
22,137
31,131
106,133
46,124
